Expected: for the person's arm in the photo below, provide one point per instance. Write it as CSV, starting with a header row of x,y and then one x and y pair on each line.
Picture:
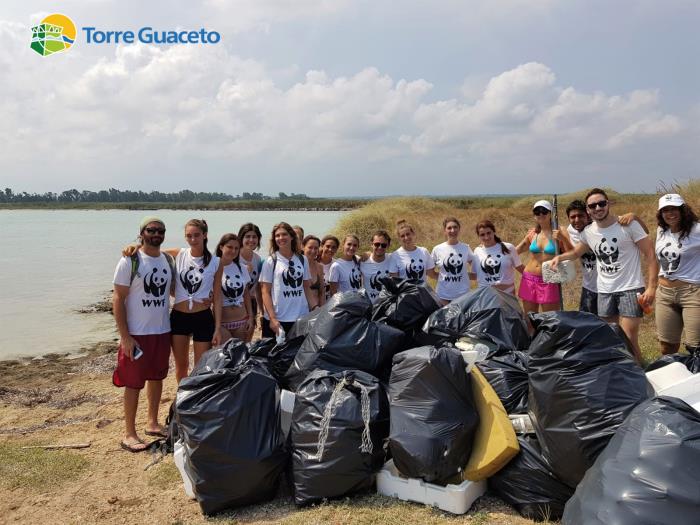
x,y
647,248
523,245
247,302
322,284
269,307
309,293
218,305
560,237
334,288
119,309
577,252
627,218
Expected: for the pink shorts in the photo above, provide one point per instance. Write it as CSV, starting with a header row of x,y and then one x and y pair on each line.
x,y
151,366
534,290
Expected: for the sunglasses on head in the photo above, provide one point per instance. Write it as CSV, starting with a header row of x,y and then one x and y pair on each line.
x,y
540,211
153,231
380,244
599,204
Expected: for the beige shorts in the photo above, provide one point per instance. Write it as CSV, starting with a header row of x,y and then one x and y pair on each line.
x,y
676,309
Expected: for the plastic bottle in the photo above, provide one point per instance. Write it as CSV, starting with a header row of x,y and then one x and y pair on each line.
x,y
646,308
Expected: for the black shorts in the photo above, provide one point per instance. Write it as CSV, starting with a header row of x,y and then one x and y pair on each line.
x,y
254,305
200,325
267,332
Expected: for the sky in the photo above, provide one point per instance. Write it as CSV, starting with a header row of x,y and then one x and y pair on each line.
x,y
356,98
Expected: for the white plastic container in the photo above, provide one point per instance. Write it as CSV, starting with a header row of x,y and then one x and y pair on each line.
x,y
472,352
522,424
687,390
179,456
287,407
667,376
456,499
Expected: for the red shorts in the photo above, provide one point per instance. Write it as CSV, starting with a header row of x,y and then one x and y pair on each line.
x,y
152,365
534,290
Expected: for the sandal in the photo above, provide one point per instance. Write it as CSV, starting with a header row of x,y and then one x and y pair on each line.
x,y
134,447
157,433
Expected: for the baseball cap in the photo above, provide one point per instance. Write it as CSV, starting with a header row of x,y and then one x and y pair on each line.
x,y
148,220
671,199
543,204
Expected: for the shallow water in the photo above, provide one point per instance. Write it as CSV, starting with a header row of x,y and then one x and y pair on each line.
x,y
56,262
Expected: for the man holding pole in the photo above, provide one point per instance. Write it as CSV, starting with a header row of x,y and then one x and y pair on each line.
x,y
621,290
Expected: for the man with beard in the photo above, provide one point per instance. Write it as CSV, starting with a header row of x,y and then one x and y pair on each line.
x,y
140,304
619,280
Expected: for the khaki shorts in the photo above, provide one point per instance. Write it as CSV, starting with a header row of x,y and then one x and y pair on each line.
x,y
676,309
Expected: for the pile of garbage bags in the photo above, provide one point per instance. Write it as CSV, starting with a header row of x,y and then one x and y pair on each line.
x,y
507,374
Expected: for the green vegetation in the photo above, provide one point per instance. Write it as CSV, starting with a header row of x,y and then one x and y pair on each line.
x,y
38,469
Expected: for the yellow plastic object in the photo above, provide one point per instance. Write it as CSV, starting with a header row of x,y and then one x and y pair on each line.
x,y
495,443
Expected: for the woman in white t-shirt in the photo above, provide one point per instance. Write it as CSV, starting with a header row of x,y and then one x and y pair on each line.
x,y
495,261
453,260
410,261
678,294
285,281
328,249
345,274
249,236
232,297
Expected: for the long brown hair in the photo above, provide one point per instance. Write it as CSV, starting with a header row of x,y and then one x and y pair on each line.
x,y
688,220
226,238
202,225
287,227
488,224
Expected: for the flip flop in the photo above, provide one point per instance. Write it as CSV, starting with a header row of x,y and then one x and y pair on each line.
x,y
134,447
156,433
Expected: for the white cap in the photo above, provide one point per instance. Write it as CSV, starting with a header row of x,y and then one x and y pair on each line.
x,y
543,204
671,199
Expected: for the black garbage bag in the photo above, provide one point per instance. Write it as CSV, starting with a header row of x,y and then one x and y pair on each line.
x,y
691,360
405,304
433,415
230,355
583,384
528,484
339,424
276,357
229,420
485,313
507,374
344,338
649,474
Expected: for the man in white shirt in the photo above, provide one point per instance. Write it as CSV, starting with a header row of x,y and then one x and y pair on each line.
x,y
140,303
619,281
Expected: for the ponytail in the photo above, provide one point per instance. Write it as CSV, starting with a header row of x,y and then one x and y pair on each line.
x,y
488,224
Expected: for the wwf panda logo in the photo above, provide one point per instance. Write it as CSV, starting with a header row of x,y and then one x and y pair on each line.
x,y
415,269
588,260
670,257
233,286
155,283
191,279
293,276
607,251
355,279
454,264
492,264
374,282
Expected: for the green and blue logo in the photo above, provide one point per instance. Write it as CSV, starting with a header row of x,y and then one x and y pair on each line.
x,y
55,33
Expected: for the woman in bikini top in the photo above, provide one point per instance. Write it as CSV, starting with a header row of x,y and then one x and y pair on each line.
x,y
311,246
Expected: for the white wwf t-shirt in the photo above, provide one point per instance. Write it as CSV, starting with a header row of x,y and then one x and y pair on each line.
x,y
589,267
253,268
413,264
346,274
234,281
371,272
679,259
195,282
288,296
453,277
619,265
148,301
492,266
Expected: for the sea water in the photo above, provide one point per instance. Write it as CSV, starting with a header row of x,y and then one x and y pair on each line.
x,y
55,262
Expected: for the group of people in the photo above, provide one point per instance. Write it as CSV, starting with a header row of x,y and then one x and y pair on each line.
x,y
218,296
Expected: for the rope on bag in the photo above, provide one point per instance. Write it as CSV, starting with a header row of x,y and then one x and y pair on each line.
x,y
366,445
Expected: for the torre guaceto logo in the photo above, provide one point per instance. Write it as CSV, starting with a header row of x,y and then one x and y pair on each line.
x,y
54,34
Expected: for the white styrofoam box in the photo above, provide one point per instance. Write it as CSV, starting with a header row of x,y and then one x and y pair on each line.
x,y
522,424
667,376
287,407
179,456
472,352
687,390
456,499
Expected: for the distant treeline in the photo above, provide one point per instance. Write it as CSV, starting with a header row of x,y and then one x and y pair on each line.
x,y
113,195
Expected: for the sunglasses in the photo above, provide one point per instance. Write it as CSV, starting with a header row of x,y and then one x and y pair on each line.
x,y
600,204
380,244
153,231
540,211
669,209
